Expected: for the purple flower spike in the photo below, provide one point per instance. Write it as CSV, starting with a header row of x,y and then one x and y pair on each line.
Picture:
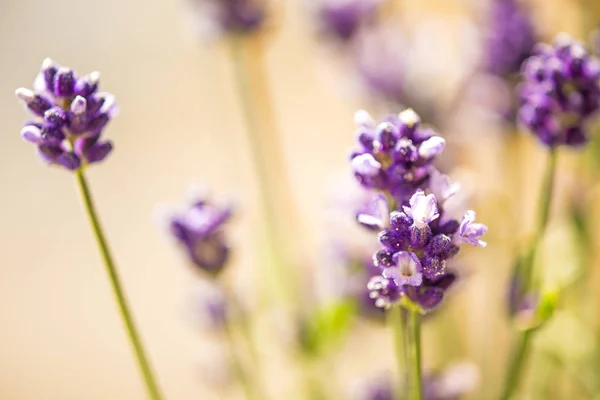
x,y
423,209
470,232
407,270
417,237
71,116
560,92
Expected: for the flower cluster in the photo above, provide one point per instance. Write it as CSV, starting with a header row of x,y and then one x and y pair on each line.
x,y
70,115
417,235
416,246
199,229
342,19
560,92
510,37
395,156
230,16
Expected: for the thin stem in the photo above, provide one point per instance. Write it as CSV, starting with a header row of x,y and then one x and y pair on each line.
x,y
413,331
240,371
264,153
520,350
517,361
396,318
134,338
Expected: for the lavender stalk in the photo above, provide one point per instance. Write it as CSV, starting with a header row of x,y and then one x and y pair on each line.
x,y
520,350
559,95
69,117
263,151
132,332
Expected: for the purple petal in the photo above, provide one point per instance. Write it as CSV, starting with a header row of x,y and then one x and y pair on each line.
x,y
98,152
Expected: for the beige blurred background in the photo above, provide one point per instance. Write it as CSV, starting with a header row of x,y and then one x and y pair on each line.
x,y
60,334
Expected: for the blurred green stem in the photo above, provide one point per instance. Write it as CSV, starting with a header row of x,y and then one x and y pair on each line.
x,y
265,153
134,338
396,319
249,385
520,350
413,348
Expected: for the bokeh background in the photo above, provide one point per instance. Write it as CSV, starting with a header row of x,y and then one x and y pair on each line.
x,y
180,123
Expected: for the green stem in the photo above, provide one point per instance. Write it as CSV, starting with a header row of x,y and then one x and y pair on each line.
x,y
520,350
396,318
413,333
246,381
134,338
517,361
263,151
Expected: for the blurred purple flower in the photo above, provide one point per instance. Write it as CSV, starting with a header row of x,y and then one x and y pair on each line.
x,y
69,116
510,37
342,19
560,92
228,17
452,383
199,228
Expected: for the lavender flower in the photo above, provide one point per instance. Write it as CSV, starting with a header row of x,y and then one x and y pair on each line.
x,y
342,19
69,116
395,156
224,17
560,92
510,37
418,237
199,229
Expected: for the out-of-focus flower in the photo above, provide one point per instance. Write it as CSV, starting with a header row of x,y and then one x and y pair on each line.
x,y
211,308
452,383
560,92
228,17
510,37
395,156
342,19
199,228
69,116
379,55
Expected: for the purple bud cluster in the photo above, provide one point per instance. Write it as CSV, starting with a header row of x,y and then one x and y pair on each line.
x,y
342,19
395,156
416,235
510,37
69,116
199,229
231,16
560,92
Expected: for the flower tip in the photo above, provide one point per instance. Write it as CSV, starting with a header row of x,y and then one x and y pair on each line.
x,y
48,63
79,105
409,117
94,77
363,118
25,94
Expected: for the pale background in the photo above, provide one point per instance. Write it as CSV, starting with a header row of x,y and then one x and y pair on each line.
x,y
60,335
